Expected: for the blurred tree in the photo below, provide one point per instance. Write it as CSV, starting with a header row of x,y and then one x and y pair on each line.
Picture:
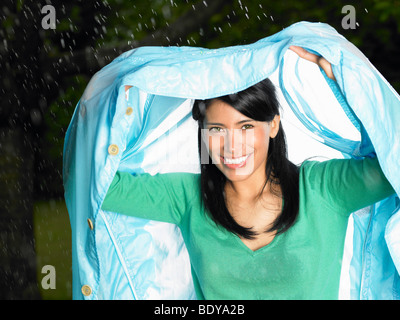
x,y
29,84
44,72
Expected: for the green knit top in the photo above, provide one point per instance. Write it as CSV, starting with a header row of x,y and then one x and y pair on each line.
x,y
301,263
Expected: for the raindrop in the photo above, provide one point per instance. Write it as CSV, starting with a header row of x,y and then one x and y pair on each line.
x,y
36,117
166,11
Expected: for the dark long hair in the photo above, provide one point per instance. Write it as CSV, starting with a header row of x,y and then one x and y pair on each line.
x,y
258,102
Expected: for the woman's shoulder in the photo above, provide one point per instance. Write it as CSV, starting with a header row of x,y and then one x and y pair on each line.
x,y
342,171
320,163
337,163
349,184
312,164
318,170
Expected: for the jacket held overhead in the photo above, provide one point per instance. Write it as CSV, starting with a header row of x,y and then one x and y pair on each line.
x,y
148,129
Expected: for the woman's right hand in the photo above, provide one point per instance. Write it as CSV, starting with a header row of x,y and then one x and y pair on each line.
x,y
320,61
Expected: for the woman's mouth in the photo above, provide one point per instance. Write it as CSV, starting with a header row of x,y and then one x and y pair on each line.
x,y
235,162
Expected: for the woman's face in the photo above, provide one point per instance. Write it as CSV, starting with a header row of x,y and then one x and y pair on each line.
x,y
237,145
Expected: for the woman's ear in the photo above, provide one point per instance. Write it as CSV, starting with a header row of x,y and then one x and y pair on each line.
x,y
275,126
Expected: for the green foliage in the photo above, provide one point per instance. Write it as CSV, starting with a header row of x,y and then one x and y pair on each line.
x,y
53,247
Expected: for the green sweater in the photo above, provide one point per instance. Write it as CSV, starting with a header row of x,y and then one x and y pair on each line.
x,y
302,263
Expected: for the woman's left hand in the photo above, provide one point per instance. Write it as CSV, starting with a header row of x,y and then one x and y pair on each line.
x,y
320,61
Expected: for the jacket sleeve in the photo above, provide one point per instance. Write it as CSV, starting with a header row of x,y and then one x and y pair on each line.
x,y
350,184
161,197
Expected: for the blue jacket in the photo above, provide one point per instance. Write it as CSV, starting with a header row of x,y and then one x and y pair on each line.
x,y
141,130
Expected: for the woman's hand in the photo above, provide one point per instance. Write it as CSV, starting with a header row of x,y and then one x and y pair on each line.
x,y
320,61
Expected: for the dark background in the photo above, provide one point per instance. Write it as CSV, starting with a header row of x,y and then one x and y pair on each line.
x,y
44,72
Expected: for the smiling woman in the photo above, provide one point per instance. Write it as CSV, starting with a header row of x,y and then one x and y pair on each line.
x,y
244,164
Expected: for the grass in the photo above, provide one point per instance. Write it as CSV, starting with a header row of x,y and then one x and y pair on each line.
x,y
53,247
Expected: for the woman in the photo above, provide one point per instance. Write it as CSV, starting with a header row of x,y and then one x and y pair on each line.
x,y
255,225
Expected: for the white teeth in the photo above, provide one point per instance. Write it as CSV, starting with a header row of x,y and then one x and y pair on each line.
x,y
235,161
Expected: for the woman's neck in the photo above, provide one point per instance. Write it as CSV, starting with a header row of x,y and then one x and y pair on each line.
x,y
247,190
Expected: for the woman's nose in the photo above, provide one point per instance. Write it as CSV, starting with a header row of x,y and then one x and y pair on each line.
x,y
233,142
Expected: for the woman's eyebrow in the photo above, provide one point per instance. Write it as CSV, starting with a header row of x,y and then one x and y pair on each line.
x,y
246,120
221,124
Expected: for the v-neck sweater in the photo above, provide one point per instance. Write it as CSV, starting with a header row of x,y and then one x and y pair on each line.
x,y
302,263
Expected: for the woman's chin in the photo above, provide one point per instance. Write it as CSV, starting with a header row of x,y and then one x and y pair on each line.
x,y
239,174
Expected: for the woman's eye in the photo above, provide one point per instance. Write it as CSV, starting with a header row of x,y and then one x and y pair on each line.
x,y
216,129
247,126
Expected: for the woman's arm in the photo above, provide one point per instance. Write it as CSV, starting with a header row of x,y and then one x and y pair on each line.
x,y
346,183
349,184
162,197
